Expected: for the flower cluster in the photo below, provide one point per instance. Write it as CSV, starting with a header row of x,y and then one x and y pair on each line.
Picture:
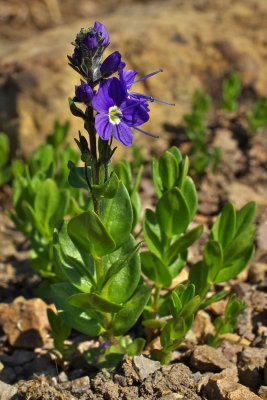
x,y
118,108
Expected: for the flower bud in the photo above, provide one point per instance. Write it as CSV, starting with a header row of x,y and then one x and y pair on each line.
x,y
84,93
111,64
101,29
90,41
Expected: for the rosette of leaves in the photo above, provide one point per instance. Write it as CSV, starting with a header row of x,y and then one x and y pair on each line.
x,y
41,197
200,154
227,252
104,293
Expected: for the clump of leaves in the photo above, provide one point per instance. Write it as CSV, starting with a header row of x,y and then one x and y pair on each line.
x,y
230,91
201,155
228,322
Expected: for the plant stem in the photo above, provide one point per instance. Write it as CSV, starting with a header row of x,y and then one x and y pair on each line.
x,y
156,301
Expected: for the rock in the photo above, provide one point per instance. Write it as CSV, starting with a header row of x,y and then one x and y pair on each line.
x,y
7,392
240,194
230,151
218,308
250,376
25,322
257,272
263,392
175,378
18,357
265,373
221,388
8,375
206,358
196,48
202,326
245,326
144,366
253,355
230,350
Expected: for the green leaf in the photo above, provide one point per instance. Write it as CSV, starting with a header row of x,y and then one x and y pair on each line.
x,y
117,215
156,178
4,149
122,272
183,242
152,232
73,316
175,304
124,173
236,266
184,173
131,311
70,262
154,323
93,301
46,204
198,275
213,258
77,112
190,307
214,298
173,330
187,294
154,269
59,328
224,227
190,195
238,255
173,212
89,234
136,347
177,154
77,176
168,170
245,217
137,207
107,189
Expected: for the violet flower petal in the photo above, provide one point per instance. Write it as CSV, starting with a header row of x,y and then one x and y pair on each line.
x,y
123,134
103,126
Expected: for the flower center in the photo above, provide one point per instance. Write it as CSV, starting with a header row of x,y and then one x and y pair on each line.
x,y
115,115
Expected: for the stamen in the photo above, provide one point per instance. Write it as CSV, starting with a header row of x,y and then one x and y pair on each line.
x,y
149,75
146,133
136,104
149,98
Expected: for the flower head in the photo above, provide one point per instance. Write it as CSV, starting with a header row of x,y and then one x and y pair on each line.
x,y
117,114
84,93
102,30
112,64
98,35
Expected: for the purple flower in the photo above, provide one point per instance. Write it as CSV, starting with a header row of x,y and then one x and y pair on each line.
x,y
101,29
97,33
84,93
117,114
111,64
90,41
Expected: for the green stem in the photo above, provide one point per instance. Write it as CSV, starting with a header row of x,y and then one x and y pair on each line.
x,y
156,301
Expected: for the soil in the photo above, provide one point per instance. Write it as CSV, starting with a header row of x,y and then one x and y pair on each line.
x,y
195,372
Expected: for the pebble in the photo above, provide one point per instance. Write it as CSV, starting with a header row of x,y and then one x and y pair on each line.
x,y
206,358
144,366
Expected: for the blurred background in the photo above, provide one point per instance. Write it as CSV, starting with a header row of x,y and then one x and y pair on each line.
x,y
198,43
